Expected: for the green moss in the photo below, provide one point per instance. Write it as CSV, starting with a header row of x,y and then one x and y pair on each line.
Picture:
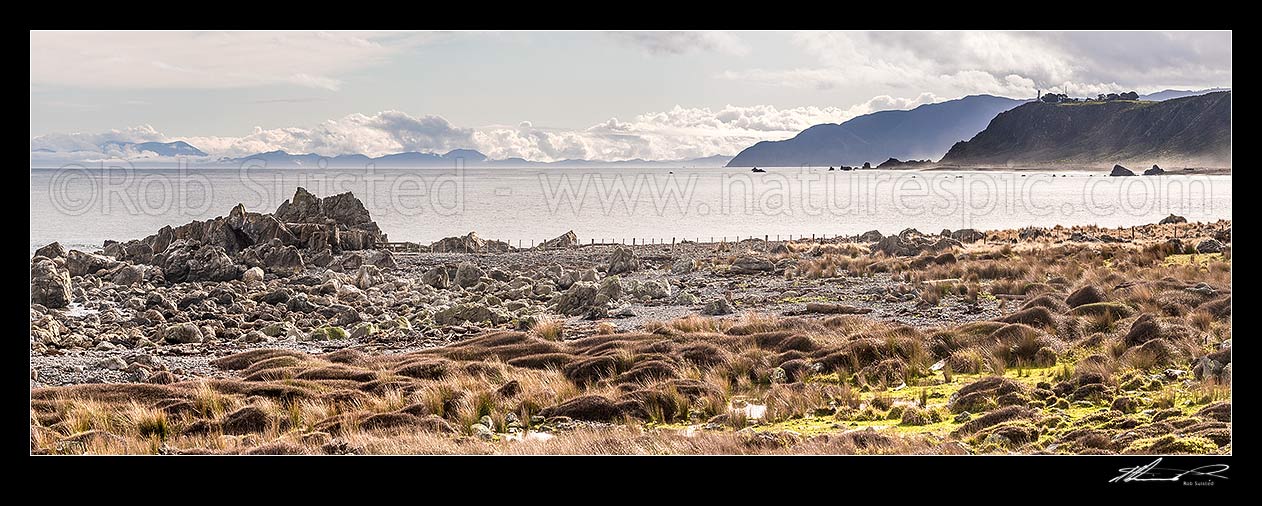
x,y
1170,443
326,333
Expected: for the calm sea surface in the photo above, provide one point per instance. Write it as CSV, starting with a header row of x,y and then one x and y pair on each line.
x,y
83,207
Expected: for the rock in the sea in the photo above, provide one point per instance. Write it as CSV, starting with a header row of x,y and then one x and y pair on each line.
x,y
566,240
719,306
1173,218
1209,246
1154,171
183,333
53,250
622,261
50,286
1119,170
252,275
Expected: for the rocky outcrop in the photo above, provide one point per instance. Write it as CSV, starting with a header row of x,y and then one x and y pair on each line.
x,y
1119,170
1154,171
470,243
967,235
1168,220
50,285
53,250
566,240
911,242
1209,246
190,261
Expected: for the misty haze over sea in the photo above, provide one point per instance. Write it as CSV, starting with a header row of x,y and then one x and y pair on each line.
x,y
82,208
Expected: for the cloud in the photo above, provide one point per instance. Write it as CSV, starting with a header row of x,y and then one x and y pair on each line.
x,y
1015,64
209,60
679,42
678,133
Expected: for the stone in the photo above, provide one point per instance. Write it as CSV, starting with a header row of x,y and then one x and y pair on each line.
x,y
1154,171
482,432
189,261
128,275
81,264
1119,170
751,264
436,277
684,266
252,276
717,307
1209,246
468,274
53,250
622,261
871,236
577,298
1173,218
566,240
470,312
50,286
182,333
967,235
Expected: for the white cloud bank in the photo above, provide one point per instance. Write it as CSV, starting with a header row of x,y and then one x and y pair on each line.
x,y
1014,64
676,134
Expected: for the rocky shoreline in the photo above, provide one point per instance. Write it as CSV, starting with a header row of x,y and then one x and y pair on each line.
x,y
314,278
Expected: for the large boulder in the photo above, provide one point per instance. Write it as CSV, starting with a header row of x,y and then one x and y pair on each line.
x,y
474,312
578,298
50,286
967,235
566,240
190,261
274,257
1154,171
1173,218
53,250
622,261
1119,170
183,333
468,274
436,277
1209,246
81,264
751,264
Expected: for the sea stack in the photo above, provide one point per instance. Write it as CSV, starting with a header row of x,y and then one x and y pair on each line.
x,y
1119,170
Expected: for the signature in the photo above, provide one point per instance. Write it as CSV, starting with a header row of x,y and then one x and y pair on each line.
x,y
1151,472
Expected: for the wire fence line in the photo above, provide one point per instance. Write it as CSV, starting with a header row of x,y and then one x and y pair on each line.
x,y
502,246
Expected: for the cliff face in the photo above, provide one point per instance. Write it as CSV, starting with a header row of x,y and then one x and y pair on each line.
x,y
1191,131
924,132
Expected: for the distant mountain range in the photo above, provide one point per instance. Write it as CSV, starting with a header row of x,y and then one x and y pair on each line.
x,y
177,148
1170,94
924,132
469,157
1188,131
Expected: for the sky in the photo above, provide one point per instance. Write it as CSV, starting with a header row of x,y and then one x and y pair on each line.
x,y
548,96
